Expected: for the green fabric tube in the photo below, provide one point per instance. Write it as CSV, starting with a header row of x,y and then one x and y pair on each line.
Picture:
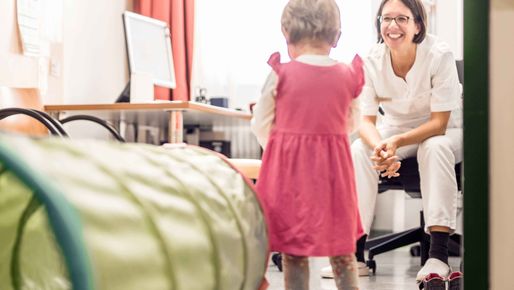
x,y
148,217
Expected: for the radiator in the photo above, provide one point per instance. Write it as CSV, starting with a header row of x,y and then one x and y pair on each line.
x,y
243,142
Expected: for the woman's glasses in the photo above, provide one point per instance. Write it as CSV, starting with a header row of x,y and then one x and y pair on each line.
x,y
400,19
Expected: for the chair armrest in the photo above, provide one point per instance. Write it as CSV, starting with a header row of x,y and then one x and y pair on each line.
x,y
54,122
7,112
96,120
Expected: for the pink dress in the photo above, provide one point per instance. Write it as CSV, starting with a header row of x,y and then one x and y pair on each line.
x,y
306,183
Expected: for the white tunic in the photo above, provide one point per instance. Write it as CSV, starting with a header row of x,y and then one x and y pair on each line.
x,y
431,85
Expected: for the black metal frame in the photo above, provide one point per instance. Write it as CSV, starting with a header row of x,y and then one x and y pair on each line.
x,y
56,127
96,120
54,130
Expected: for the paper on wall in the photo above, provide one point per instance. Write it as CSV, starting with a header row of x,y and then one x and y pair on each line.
x,y
29,14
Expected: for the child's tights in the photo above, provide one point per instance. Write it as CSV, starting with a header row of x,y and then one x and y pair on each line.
x,y
296,272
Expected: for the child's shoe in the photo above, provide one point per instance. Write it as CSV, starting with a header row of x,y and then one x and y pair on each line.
x,y
455,280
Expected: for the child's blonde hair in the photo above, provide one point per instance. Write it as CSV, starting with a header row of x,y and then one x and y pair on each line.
x,y
313,20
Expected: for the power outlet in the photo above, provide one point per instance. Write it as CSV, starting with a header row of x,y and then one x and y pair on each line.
x,y
55,68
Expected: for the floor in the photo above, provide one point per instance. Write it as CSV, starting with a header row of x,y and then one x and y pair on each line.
x,y
396,270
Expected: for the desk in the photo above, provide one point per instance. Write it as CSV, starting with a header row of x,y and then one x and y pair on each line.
x,y
174,114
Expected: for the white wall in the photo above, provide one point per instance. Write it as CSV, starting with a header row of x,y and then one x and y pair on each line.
x,y
84,59
94,59
501,140
16,70
449,24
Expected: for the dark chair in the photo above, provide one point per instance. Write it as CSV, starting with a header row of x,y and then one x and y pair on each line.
x,y
21,111
55,127
106,125
52,126
409,182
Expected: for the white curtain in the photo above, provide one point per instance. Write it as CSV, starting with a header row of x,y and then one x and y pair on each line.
x,y
234,38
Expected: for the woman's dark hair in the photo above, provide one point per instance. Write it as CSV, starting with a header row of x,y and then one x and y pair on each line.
x,y
420,18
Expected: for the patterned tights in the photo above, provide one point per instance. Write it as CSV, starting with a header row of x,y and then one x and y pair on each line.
x,y
296,272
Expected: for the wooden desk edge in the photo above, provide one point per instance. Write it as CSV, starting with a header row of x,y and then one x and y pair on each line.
x,y
164,106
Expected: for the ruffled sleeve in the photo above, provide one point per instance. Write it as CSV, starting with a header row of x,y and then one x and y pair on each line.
x,y
274,61
358,74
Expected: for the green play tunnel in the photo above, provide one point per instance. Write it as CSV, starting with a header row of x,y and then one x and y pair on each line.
x,y
92,215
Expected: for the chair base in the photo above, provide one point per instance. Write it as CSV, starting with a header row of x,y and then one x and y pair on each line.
x,y
393,241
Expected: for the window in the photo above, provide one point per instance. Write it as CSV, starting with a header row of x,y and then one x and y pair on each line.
x,y
234,39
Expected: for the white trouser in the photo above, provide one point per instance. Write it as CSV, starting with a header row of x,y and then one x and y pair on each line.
x,y
436,156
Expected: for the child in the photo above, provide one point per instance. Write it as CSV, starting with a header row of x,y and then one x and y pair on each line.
x,y
306,184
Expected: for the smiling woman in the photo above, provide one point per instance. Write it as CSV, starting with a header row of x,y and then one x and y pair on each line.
x,y
412,76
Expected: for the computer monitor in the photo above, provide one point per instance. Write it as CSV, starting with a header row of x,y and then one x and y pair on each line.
x,y
149,50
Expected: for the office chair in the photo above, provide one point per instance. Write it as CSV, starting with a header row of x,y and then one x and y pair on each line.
x,y
409,182
106,125
21,111
51,125
55,127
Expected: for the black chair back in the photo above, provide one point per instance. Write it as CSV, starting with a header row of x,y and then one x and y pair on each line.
x,y
409,178
460,70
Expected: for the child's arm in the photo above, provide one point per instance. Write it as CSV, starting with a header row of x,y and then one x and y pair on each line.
x,y
264,111
354,118
354,112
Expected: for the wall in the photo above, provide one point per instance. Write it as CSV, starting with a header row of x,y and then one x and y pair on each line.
x,y
16,70
501,142
449,25
85,59
94,58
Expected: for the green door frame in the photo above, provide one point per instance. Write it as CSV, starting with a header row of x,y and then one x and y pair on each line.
x,y
476,144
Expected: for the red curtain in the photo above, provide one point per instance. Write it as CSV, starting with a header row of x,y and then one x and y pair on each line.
x,y
179,14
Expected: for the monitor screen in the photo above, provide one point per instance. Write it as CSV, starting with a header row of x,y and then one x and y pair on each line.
x,y
149,48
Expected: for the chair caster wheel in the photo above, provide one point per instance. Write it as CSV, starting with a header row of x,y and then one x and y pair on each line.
x,y
372,265
415,251
277,260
